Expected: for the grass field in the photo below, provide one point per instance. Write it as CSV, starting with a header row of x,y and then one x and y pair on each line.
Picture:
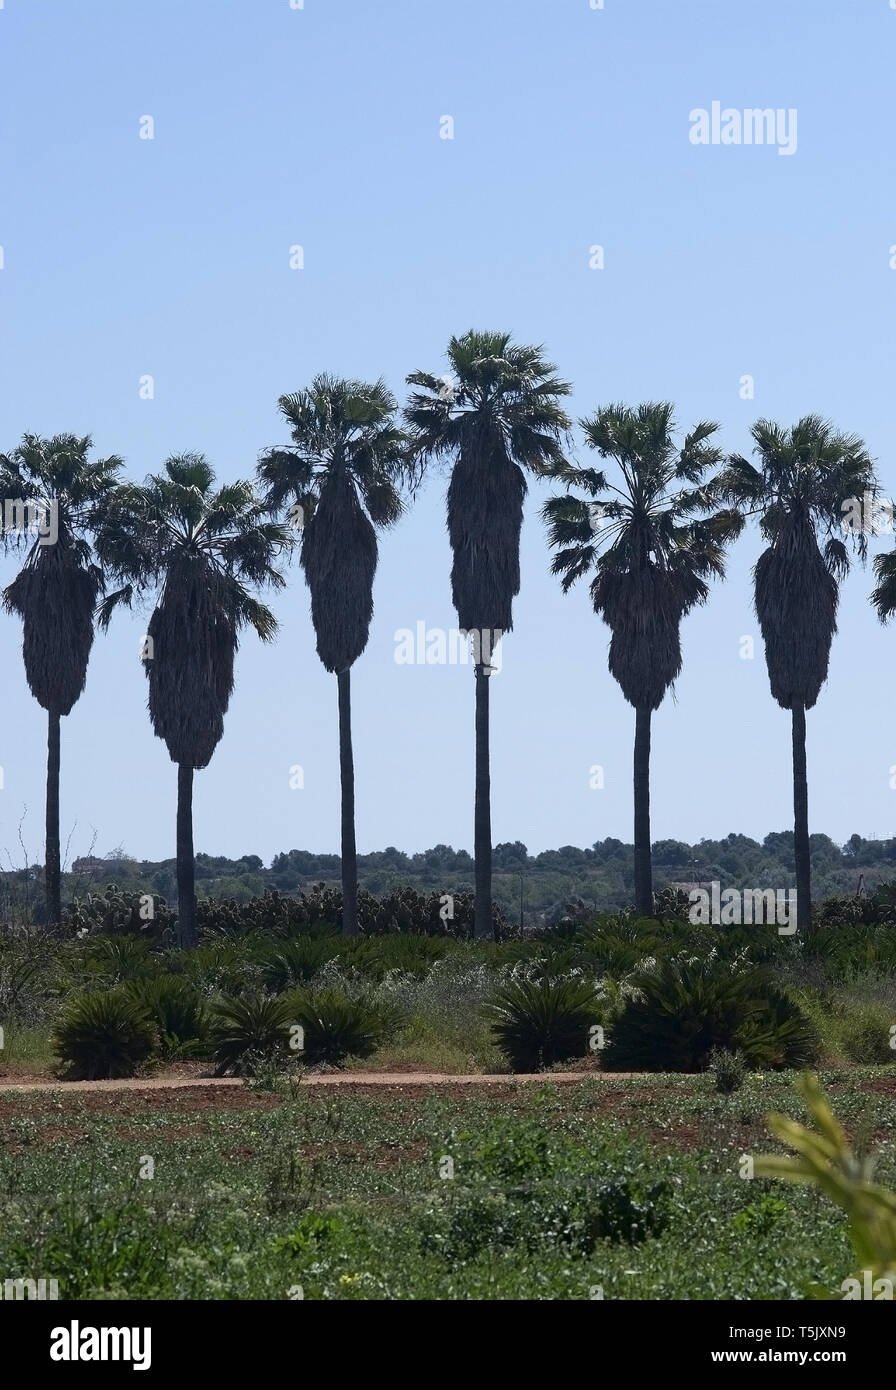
x,y
621,1188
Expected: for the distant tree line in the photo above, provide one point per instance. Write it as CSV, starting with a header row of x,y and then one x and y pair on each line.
x,y
601,876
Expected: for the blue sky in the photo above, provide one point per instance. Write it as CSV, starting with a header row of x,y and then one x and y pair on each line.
x,y
320,127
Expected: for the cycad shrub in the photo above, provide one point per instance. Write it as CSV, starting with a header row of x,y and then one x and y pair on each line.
x,y
779,1035
537,1023
221,967
178,1012
335,1026
679,1011
118,958
250,1028
295,961
608,954
413,952
104,1035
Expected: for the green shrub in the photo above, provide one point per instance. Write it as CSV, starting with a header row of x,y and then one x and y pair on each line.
x,y
680,1010
114,959
336,1026
104,1035
178,1012
101,1248
222,967
25,983
824,1011
539,1022
512,1152
728,1070
296,961
672,904
759,1218
616,1212
412,952
866,1035
826,1160
621,1213
253,1025
470,1225
409,911
849,947
525,1184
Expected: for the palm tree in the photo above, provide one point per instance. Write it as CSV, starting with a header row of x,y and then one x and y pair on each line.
x,y
341,473
496,414
804,477
56,591
201,553
651,548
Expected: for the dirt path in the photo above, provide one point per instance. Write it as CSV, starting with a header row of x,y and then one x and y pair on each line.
x,y
344,1078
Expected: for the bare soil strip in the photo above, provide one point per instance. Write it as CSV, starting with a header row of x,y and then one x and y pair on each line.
x,y
349,1078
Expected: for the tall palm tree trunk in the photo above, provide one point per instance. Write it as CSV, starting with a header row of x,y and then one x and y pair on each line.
x,y
482,815
347,778
801,821
186,866
52,868
643,869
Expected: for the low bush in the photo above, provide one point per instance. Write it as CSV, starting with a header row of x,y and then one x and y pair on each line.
x,y
850,948
762,1217
271,914
111,960
251,1027
178,1012
537,1023
778,1034
294,962
524,1184
336,1026
679,1011
412,952
728,1070
104,1035
25,981
867,1034
218,968
622,1212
